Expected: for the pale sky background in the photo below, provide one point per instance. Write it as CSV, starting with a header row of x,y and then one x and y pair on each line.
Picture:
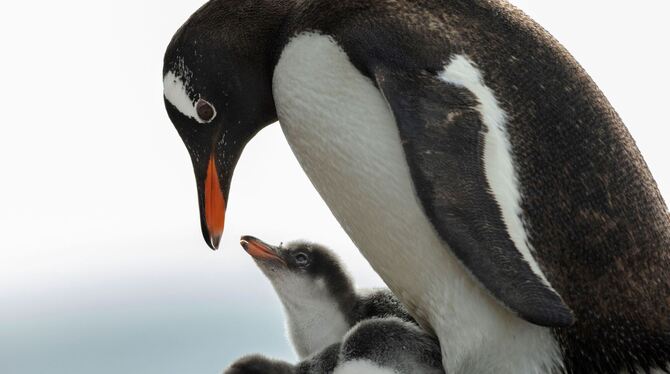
x,y
102,264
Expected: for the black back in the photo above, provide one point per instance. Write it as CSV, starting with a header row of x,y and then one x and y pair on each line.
x,y
378,304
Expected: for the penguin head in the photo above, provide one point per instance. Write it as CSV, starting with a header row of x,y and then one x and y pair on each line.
x,y
258,364
300,268
300,257
217,76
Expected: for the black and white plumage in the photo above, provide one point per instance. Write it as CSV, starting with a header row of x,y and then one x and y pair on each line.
x,y
319,299
374,346
469,157
333,327
322,362
389,345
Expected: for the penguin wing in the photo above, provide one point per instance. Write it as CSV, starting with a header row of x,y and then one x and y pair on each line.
x,y
443,130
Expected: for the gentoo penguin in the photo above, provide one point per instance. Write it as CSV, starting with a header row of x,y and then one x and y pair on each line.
x,y
469,157
257,364
387,345
318,296
322,362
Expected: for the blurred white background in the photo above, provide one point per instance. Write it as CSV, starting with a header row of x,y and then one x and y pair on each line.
x,y
102,264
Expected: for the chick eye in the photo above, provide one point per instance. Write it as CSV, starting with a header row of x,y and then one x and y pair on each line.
x,y
205,110
301,259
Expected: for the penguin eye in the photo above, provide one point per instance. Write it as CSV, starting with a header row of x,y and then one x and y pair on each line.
x,y
301,259
205,110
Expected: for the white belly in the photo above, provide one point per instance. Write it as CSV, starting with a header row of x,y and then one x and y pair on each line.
x,y
344,136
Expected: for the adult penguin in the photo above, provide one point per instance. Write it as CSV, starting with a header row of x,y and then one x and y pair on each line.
x,y
470,158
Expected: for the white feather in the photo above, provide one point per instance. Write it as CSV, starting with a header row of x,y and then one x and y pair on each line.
x,y
313,318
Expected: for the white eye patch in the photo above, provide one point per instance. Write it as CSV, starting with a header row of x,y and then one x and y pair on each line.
x,y
176,93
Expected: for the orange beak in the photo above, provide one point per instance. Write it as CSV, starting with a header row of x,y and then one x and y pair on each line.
x,y
259,250
214,204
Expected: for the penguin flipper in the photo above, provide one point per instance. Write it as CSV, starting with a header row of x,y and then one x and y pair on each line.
x,y
443,135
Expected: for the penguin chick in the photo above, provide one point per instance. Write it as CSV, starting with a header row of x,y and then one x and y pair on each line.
x,y
323,362
318,296
389,346
374,346
257,364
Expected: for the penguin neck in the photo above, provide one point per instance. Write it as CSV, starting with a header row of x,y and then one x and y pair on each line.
x,y
316,318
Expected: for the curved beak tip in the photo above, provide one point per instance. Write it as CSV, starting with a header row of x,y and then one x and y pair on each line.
x,y
214,242
259,250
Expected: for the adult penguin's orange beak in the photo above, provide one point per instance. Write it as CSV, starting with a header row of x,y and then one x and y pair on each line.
x,y
213,205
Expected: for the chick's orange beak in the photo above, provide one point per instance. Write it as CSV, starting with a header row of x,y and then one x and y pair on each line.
x,y
258,249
